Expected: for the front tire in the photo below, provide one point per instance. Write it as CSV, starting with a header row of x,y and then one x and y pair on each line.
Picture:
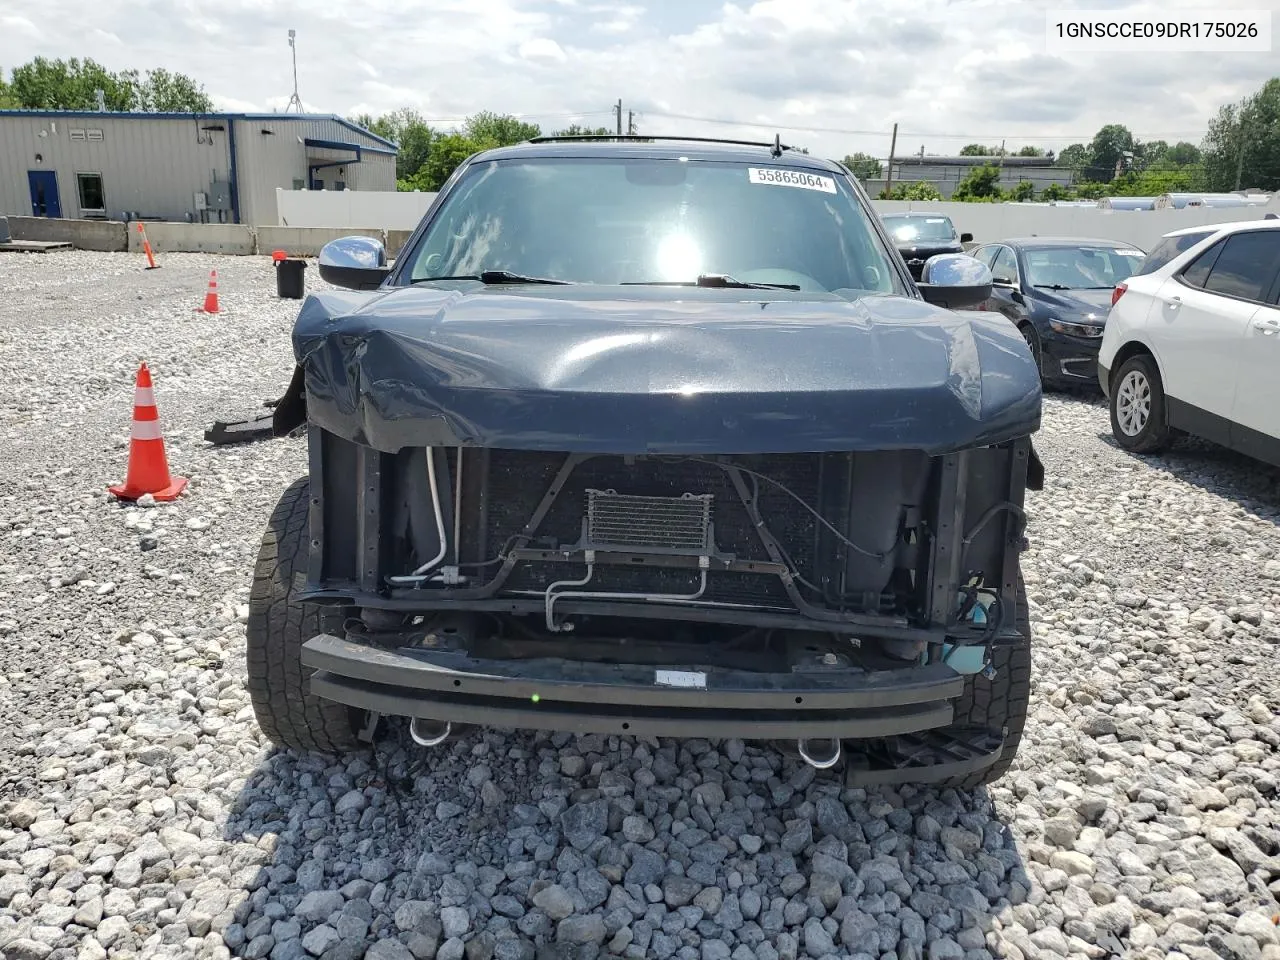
x,y
1002,702
1139,415
1033,344
279,624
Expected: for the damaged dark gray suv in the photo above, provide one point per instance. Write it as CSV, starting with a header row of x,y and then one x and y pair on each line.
x,y
655,436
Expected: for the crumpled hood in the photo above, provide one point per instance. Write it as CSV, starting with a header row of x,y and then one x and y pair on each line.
x,y
656,370
1077,304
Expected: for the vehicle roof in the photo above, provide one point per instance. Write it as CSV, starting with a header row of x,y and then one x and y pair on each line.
x,y
1229,227
661,148
1061,242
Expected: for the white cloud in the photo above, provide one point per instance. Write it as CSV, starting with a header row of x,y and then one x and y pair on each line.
x,y
542,48
232,105
947,71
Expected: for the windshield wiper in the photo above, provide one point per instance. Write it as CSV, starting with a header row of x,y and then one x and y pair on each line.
x,y
1052,286
717,280
495,277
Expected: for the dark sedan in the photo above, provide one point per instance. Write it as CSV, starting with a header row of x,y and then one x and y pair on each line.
x,y
1057,291
919,236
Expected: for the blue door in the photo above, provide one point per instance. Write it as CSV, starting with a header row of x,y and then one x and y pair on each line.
x,y
44,193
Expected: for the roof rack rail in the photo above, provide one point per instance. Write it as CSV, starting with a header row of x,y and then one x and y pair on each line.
x,y
777,146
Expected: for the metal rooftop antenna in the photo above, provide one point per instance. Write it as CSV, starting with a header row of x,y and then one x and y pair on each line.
x,y
295,99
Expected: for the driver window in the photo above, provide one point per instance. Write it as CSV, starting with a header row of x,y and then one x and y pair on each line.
x,y
1005,268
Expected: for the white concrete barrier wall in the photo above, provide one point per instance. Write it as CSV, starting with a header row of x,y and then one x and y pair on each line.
x,y
1141,228
307,241
231,238
385,210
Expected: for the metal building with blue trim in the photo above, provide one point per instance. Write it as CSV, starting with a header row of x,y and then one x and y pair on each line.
x,y
195,168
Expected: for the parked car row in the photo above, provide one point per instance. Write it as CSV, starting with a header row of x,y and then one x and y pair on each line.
x,y
1184,339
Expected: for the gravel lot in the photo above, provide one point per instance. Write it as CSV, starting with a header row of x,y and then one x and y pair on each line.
x,y
142,815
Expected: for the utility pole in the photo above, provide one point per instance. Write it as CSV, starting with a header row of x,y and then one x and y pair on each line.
x,y
617,110
893,145
295,98
631,123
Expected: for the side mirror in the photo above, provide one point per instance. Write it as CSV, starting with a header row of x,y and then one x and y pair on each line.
x,y
966,238
955,280
358,263
1004,282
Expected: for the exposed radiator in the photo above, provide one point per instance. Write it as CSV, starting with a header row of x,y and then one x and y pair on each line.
x,y
667,524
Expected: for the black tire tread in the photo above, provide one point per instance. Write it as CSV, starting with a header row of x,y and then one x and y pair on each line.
x,y
1002,703
1032,336
278,626
1156,435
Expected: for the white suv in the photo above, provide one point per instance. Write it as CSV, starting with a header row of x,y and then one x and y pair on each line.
x,y
1192,343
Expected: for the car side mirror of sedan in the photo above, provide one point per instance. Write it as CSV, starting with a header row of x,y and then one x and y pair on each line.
x,y
955,280
358,263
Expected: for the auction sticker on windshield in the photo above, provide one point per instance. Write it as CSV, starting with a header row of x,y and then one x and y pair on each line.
x,y
791,178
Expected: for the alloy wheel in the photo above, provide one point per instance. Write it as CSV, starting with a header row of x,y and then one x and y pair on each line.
x,y
1133,403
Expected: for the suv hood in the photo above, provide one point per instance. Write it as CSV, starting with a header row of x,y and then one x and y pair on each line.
x,y
656,370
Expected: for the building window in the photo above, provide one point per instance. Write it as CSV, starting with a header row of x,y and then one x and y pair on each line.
x,y
92,199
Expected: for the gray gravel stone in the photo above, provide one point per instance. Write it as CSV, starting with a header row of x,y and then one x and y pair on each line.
x,y
145,818
454,922
318,905
581,929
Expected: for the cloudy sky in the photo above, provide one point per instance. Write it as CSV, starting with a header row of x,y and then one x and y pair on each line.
x,y
832,75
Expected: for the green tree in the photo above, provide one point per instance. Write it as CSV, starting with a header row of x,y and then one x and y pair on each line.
x,y
1091,190
411,134
7,100
447,153
1055,191
163,92
575,130
978,150
920,190
980,185
1105,151
1023,190
44,84
498,129
1074,157
1160,177
864,166
1183,153
1030,151
1242,146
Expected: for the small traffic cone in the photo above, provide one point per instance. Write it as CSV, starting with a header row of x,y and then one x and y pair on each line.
x,y
211,298
148,466
146,246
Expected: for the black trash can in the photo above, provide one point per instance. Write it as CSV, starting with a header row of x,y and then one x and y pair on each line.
x,y
289,282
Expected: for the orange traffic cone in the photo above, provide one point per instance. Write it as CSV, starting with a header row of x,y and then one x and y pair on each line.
x,y
148,466
146,246
211,298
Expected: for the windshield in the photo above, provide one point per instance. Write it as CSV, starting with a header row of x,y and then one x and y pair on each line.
x,y
649,221
1080,268
911,229
1167,249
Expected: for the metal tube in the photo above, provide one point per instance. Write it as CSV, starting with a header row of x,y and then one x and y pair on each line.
x,y
820,761
429,733
420,574
457,515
